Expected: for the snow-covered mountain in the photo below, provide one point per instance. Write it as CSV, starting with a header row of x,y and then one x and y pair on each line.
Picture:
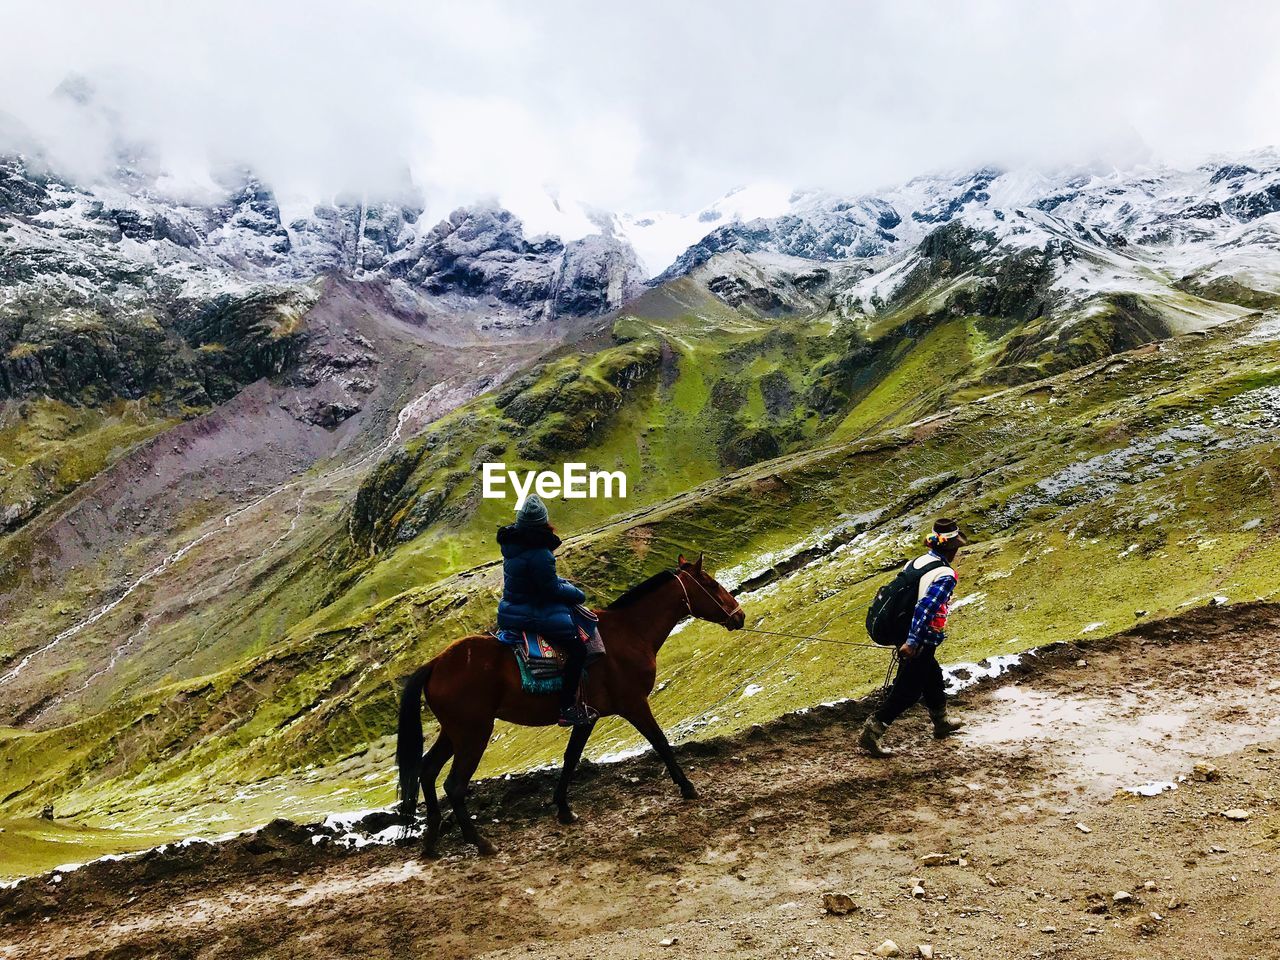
x,y
1216,220
129,249
124,242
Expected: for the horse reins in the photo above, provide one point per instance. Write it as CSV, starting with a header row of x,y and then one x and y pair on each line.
x,y
728,614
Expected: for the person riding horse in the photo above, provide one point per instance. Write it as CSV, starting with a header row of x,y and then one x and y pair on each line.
x,y
537,599
475,681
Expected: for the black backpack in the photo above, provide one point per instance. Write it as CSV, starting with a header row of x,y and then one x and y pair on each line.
x,y
889,619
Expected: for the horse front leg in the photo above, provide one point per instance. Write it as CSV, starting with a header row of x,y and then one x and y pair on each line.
x,y
641,717
572,754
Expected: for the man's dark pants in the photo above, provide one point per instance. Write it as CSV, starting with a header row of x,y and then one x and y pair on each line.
x,y
919,676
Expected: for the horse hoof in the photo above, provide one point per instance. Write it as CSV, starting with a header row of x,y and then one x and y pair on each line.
x,y
566,816
430,853
689,791
485,848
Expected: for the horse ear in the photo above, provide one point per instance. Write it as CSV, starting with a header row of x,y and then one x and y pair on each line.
x,y
697,564
681,561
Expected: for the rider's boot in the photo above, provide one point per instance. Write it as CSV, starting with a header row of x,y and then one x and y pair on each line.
x,y
579,715
873,732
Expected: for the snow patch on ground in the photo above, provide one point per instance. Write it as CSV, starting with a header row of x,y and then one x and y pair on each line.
x,y
1265,332
626,753
960,676
383,838
1152,789
968,599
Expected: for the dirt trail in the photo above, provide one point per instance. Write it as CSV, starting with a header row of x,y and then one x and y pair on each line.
x,y
1028,808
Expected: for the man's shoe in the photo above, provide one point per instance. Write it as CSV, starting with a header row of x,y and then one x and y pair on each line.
x,y
872,732
944,726
578,716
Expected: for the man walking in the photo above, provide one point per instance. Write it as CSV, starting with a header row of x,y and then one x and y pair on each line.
x,y
919,673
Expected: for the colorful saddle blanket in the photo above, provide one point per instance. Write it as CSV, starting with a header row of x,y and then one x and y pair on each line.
x,y
541,664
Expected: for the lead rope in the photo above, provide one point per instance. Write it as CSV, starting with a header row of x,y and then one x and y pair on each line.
x,y
803,638
737,608
888,674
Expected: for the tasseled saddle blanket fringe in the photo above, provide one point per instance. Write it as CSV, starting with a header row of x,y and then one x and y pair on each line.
x,y
541,664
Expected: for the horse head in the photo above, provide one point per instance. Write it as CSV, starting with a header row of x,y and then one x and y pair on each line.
x,y
707,598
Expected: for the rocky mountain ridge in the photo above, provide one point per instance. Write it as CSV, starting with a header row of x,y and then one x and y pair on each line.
x,y
125,250
1197,221
122,245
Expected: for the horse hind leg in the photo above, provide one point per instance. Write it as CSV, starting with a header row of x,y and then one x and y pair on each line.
x,y
433,762
466,759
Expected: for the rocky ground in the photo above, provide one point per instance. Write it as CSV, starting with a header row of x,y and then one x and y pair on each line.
x,y
1018,838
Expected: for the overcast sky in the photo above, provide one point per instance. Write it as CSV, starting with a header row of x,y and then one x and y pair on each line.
x,y
643,105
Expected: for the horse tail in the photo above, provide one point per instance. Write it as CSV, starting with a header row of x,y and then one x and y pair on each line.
x,y
409,741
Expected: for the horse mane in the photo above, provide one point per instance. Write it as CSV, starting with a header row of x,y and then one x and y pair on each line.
x,y
641,590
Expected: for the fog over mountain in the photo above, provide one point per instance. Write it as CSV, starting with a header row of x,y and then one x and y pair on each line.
x,y
658,107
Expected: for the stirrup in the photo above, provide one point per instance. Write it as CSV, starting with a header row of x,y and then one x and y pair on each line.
x,y
578,716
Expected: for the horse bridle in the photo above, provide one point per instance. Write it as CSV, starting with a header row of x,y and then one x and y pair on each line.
x,y
728,614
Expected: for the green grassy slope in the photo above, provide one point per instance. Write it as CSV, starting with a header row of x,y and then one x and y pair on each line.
x,y
679,389
755,437
1077,490
48,448
674,400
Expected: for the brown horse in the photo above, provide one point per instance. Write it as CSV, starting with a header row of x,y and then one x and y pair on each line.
x,y
475,681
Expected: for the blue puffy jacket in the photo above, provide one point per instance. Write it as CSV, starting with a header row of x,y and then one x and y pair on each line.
x,y
533,596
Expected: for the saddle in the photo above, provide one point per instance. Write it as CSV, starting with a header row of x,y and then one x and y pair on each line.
x,y
541,664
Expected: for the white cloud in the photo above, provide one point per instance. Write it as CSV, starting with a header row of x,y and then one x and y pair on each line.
x,y
641,106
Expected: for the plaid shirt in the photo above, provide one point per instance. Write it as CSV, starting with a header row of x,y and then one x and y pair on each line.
x,y
929,623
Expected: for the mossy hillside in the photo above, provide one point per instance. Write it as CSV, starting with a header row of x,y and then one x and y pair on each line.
x,y
48,448
673,403
927,354
178,354
32,844
922,375
730,389
985,461
560,407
